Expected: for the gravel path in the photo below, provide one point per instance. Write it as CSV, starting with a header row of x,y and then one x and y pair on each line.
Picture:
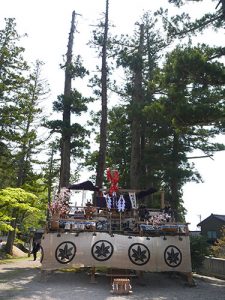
x,y
23,280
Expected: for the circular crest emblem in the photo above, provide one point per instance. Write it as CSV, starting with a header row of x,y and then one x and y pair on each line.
x,y
102,250
65,252
172,256
139,254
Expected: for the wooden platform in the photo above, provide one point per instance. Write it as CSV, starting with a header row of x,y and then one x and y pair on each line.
x,y
121,286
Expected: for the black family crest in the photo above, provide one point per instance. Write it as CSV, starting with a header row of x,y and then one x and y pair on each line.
x,y
102,250
173,256
139,254
65,252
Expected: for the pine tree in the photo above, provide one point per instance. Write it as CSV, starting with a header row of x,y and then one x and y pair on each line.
x,y
27,139
173,120
139,57
73,136
188,114
183,25
21,90
12,79
104,111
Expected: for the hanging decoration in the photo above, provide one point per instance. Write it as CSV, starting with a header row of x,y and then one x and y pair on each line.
x,y
121,204
133,201
108,202
113,178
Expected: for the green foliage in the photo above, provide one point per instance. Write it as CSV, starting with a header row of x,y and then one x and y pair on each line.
x,y
77,104
7,167
183,26
12,63
181,105
12,79
199,249
51,168
118,152
76,69
21,92
4,255
194,88
185,118
218,249
17,200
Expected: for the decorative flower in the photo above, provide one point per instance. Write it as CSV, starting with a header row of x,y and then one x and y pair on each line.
x,y
60,204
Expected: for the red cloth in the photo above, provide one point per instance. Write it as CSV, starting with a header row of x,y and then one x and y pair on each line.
x,y
113,177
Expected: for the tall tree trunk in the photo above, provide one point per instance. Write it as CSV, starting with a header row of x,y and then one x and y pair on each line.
x,y
137,100
50,179
11,235
103,125
146,142
174,185
66,135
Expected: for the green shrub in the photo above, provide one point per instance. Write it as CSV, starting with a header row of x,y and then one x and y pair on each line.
x,y
199,249
218,249
3,254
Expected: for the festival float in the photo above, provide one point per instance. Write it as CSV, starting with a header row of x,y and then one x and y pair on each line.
x,y
116,232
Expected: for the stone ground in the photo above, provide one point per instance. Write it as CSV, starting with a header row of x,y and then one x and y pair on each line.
x,y
23,280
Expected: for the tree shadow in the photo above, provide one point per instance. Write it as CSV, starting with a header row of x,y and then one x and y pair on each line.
x,y
27,283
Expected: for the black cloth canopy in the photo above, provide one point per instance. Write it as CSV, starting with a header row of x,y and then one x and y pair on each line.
x,y
86,185
145,193
89,186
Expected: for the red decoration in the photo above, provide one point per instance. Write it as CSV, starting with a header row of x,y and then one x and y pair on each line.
x,y
114,179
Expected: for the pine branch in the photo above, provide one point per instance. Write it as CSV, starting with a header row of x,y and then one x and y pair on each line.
x,y
200,24
202,156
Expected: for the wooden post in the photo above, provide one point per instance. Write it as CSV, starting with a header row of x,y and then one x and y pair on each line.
x,y
162,204
110,223
120,221
190,279
93,279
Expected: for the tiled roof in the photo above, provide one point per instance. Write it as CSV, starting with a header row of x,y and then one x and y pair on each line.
x,y
219,217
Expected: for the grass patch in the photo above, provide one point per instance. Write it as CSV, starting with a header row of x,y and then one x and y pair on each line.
x,y
71,270
13,259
